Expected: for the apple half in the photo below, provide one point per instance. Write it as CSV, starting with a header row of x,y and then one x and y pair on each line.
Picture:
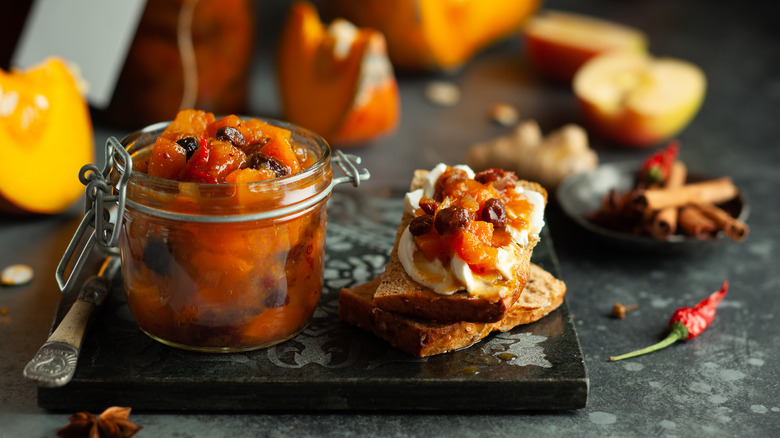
x,y
638,100
336,80
558,43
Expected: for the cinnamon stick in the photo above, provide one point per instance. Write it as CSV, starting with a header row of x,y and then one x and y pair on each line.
x,y
735,229
706,192
665,221
694,223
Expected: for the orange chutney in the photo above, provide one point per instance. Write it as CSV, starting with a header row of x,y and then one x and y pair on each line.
x,y
468,217
223,236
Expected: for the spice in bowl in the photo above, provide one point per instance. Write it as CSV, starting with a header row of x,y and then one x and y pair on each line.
x,y
664,203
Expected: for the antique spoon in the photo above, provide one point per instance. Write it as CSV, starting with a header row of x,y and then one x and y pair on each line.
x,y
55,363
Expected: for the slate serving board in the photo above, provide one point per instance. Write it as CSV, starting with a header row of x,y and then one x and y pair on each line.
x,y
330,365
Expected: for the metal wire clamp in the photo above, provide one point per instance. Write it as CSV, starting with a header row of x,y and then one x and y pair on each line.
x,y
96,225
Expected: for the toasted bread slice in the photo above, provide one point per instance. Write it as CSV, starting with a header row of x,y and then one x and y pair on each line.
x,y
398,292
420,337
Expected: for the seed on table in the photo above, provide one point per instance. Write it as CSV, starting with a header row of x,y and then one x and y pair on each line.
x,y
619,310
504,114
15,275
442,93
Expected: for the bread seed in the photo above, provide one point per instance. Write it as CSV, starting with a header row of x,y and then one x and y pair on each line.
x,y
15,275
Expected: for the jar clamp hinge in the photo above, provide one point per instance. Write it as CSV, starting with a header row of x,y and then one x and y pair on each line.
x,y
102,202
347,165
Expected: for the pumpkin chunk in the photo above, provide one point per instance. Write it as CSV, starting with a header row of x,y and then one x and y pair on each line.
x,y
336,80
45,139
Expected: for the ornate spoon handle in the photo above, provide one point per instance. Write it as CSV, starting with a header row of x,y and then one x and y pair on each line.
x,y
55,362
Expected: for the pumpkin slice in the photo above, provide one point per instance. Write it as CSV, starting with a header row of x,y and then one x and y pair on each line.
x,y
475,24
435,35
336,80
45,139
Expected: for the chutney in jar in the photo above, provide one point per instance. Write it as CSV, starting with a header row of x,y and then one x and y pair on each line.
x,y
223,233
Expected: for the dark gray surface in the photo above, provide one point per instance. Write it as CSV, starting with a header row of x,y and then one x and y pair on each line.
x,y
723,383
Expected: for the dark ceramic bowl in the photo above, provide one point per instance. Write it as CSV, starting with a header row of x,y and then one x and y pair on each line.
x,y
582,194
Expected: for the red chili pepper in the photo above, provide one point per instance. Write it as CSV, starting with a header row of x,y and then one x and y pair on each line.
x,y
655,169
196,169
686,323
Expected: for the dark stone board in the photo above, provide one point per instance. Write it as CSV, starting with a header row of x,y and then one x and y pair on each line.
x,y
331,366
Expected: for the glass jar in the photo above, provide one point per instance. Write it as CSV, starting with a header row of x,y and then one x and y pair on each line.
x,y
214,267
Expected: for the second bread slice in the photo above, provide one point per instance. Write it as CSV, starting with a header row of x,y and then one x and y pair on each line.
x,y
420,337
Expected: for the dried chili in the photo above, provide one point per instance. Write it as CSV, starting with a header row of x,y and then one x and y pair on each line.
x,y
655,169
686,323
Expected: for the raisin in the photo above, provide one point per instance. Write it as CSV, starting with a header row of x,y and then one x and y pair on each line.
x,y
157,255
255,146
190,145
276,298
494,211
259,160
496,177
450,219
232,135
421,225
428,205
446,181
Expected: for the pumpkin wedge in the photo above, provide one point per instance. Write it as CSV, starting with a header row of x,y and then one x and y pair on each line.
x,y
435,35
45,139
336,80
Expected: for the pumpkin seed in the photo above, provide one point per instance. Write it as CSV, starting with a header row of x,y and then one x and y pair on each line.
x,y
504,114
443,93
15,275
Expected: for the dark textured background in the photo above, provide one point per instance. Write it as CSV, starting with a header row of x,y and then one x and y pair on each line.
x,y
724,383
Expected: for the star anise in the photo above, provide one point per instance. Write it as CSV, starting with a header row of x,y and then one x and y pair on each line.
x,y
112,423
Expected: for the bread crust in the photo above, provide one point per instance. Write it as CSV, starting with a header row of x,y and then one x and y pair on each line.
x,y
420,337
398,292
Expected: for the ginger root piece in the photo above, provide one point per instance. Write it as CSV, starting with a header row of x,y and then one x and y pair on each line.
x,y
532,156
